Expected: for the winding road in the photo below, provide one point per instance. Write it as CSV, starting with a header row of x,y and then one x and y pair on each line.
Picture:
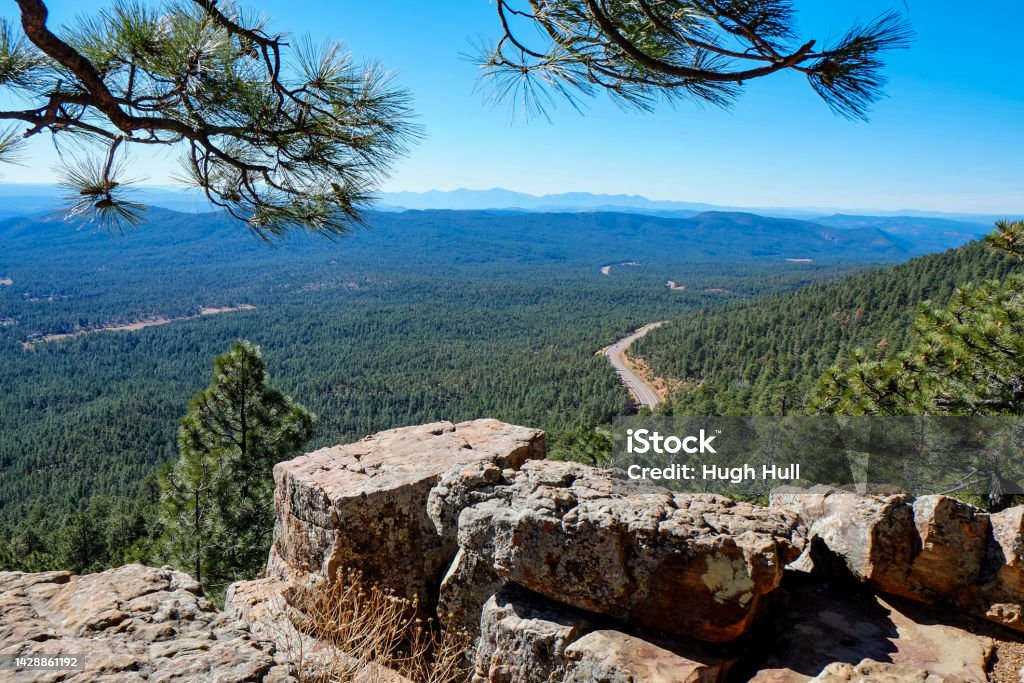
x,y
644,393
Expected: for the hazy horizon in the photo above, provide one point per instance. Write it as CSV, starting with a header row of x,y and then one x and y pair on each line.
x,y
639,200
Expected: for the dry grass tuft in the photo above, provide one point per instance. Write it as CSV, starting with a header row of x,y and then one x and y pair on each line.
x,y
350,631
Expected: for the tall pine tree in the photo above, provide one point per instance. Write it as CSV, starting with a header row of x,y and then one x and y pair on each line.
x,y
217,499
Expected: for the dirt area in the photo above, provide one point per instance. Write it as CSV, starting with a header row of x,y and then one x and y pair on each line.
x,y
133,326
676,286
607,270
1008,658
639,367
214,310
1009,661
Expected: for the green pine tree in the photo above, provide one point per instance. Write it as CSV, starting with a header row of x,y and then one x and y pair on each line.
x,y
217,498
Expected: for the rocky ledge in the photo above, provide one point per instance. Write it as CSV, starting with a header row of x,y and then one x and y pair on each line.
x,y
563,572
128,624
931,549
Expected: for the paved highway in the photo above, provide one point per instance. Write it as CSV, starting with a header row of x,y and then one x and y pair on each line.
x,y
642,391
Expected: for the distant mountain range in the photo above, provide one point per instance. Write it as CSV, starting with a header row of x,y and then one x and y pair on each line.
x,y
910,232
498,198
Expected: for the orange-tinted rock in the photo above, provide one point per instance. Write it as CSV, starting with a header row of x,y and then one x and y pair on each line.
x,y
691,565
526,637
615,657
362,506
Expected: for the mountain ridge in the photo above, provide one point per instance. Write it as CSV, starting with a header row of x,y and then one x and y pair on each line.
x,y
500,198
763,356
24,198
498,234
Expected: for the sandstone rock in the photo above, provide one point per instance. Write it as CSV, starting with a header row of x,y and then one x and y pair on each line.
x,y
871,536
1008,533
260,604
363,506
523,638
686,564
828,635
470,581
526,638
878,673
953,542
132,623
933,549
614,657
999,594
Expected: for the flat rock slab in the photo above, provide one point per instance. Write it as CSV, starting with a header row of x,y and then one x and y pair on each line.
x,y
362,506
685,564
132,623
615,657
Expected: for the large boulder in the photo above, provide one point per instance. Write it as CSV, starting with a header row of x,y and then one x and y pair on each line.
x,y
526,638
872,536
933,549
128,624
685,564
362,506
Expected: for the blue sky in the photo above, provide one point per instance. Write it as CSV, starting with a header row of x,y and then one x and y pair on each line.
x,y
950,136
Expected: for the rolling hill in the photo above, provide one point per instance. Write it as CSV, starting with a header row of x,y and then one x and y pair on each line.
x,y
925,235
762,356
